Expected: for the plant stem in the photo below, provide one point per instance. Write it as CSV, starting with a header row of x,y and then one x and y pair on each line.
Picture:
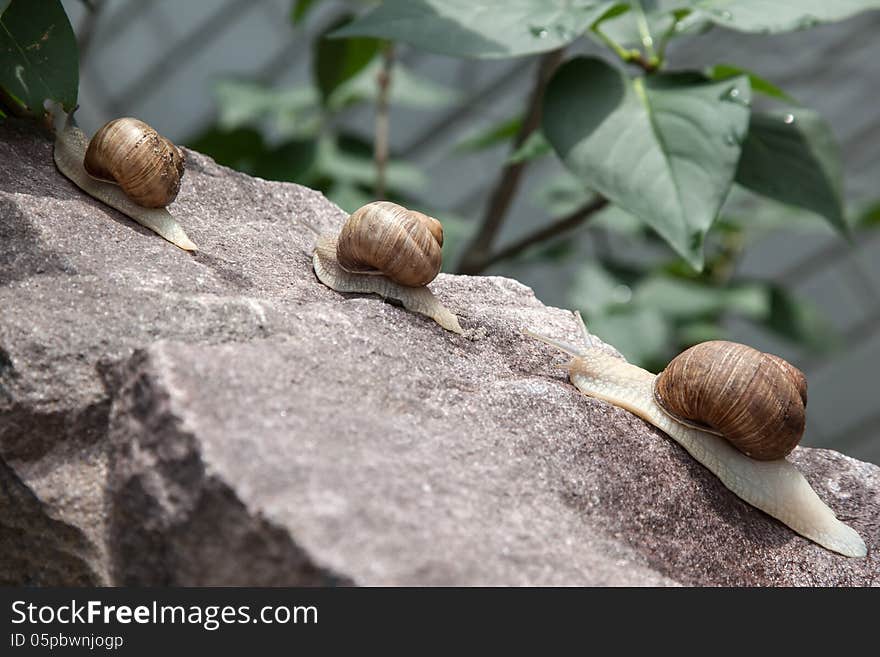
x,y
380,145
644,30
636,57
475,253
559,226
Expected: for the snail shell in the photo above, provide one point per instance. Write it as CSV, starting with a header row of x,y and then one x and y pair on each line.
x,y
146,165
756,401
388,239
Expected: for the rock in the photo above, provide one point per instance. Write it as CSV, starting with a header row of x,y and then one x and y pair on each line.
x,y
222,418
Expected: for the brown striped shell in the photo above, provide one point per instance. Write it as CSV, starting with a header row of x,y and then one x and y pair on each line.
x,y
146,165
757,401
388,239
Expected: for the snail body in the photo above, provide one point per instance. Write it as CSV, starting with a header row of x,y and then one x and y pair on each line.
x,y
774,486
71,146
386,249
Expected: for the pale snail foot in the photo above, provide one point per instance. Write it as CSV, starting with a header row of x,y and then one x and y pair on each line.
x,y
416,299
69,152
776,487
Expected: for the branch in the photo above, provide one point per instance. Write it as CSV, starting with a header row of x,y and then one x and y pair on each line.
x,y
476,252
380,146
557,227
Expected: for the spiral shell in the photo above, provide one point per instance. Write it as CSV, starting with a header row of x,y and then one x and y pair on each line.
x,y
388,239
146,165
756,401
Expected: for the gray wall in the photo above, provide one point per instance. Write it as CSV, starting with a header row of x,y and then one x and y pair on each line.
x,y
156,60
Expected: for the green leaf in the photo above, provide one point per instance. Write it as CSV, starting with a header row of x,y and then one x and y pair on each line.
x,y
691,333
496,133
791,156
239,149
759,84
535,146
299,9
38,55
491,28
562,194
621,25
683,299
642,335
352,163
3,5
799,321
292,161
664,148
348,197
869,217
406,89
242,103
778,16
339,60
596,290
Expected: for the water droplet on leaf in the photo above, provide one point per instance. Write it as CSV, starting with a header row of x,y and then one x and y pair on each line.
x,y
540,32
788,118
734,95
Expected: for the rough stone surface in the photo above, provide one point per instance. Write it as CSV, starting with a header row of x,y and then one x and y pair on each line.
x,y
222,418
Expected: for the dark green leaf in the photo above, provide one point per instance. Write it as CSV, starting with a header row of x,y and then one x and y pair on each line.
x,y
239,149
3,5
300,8
870,217
799,321
491,28
292,161
759,84
664,148
38,55
348,197
339,60
495,134
535,146
791,156
779,16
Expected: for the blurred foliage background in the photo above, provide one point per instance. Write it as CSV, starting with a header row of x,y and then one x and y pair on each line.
x,y
260,87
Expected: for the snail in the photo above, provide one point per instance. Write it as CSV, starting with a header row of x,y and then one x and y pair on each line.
x,y
386,249
128,166
774,486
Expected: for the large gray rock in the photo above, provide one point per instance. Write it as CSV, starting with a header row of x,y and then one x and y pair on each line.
x,y
222,418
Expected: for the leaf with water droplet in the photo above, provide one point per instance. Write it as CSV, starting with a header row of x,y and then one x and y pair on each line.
x,y
485,29
757,83
762,17
653,145
795,161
